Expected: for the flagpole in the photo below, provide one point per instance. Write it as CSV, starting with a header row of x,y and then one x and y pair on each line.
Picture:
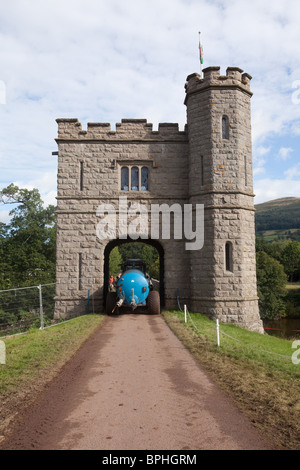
x,y
200,55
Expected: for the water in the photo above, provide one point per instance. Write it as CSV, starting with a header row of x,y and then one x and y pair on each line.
x,y
288,328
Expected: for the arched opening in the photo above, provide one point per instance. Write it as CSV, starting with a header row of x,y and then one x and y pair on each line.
x,y
134,178
124,178
132,253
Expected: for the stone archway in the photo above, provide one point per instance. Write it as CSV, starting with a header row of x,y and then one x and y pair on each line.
x,y
155,244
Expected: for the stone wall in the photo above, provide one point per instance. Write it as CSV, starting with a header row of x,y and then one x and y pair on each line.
x,y
89,164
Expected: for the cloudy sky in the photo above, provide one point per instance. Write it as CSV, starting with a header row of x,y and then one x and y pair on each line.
x,y
104,60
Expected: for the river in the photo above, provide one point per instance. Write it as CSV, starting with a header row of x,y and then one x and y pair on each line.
x,y
288,328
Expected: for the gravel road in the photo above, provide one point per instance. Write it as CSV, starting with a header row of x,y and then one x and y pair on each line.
x,y
134,386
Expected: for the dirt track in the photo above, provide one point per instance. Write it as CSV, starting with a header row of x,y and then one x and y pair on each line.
x,y
134,386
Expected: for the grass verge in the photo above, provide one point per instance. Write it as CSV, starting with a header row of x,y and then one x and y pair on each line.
x,y
34,359
255,370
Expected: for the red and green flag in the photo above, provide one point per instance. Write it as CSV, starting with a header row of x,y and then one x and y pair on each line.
x,y
201,52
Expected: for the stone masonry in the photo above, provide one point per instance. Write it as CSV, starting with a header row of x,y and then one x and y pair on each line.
x,y
208,163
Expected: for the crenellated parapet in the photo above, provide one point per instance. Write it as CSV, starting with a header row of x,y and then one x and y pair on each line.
x,y
235,78
128,129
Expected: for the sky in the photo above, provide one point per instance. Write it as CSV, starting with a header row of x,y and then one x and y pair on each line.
x,y
105,60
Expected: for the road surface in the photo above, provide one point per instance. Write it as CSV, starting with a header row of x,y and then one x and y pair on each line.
x,y
134,386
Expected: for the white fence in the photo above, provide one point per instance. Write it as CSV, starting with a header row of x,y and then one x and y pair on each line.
x,y
219,332
22,308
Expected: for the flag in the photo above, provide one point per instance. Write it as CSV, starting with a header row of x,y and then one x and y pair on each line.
x,y
201,52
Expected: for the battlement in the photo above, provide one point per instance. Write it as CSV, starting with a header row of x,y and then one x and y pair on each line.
x,y
128,129
212,78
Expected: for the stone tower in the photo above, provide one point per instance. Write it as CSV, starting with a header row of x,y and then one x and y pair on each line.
x,y
209,163
223,273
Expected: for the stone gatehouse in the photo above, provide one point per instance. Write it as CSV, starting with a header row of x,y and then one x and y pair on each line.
x,y
209,163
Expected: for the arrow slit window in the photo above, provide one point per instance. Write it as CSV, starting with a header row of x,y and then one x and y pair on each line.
x,y
225,127
228,257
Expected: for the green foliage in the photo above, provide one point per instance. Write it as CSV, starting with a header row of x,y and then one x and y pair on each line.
x,y
280,214
290,258
293,301
115,262
30,357
141,250
271,285
27,249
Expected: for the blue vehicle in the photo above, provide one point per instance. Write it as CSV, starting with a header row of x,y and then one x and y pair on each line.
x,y
133,290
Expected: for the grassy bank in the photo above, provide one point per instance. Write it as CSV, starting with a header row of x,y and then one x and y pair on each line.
x,y
33,360
255,370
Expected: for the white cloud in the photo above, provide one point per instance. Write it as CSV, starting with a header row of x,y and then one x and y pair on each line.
x,y
262,150
4,215
268,189
259,169
285,153
107,60
293,172
46,185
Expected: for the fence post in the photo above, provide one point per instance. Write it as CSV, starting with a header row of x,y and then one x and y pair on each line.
x,y
2,353
218,333
41,307
185,313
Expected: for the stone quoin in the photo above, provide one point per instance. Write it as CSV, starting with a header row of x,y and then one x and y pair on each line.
x,y
209,163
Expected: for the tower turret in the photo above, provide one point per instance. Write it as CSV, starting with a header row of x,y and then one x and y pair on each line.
x,y
223,273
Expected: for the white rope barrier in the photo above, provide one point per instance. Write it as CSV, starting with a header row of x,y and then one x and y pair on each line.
x,y
218,330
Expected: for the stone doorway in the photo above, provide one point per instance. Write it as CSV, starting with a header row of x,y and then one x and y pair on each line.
x,y
118,242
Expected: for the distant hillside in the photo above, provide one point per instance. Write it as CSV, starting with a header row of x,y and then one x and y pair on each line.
x,y
279,218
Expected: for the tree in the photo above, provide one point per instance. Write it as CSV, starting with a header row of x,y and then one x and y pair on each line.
x,y
115,262
144,251
28,240
271,286
290,258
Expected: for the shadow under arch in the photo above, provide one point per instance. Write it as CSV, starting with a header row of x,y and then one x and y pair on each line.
x,y
154,243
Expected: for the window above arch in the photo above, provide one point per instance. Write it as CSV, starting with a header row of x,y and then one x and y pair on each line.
x,y
124,178
134,178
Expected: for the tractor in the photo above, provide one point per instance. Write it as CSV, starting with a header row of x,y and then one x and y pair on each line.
x,y
133,290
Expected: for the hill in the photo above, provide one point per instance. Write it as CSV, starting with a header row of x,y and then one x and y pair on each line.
x,y
278,219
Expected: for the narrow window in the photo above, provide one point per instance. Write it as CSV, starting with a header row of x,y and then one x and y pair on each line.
x,y
225,127
124,178
228,257
79,271
245,166
144,179
134,178
81,176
